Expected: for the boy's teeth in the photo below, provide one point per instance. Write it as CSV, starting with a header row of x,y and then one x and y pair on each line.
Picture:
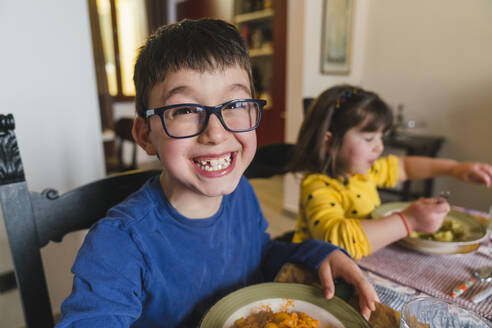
x,y
215,164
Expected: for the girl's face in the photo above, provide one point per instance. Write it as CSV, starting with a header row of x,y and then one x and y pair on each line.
x,y
359,150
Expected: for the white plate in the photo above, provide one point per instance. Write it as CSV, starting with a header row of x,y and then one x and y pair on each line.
x,y
277,296
474,233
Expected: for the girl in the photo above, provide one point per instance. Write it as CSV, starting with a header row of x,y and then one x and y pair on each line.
x,y
338,151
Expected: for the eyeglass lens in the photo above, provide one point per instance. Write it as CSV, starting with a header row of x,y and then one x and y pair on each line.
x,y
189,120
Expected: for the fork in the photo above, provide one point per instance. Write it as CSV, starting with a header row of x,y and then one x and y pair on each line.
x,y
443,196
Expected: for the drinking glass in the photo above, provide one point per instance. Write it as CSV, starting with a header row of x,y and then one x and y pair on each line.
x,y
431,312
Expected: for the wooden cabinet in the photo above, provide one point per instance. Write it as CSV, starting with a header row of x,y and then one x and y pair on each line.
x,y
262,23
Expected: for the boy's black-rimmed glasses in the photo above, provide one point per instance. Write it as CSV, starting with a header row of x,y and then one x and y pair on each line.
x,y
189,120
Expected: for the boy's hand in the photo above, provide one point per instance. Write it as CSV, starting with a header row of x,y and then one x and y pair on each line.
x,y
339,265
426,214
473,172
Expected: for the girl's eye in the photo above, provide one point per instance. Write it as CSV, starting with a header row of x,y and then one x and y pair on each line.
x,y
370,137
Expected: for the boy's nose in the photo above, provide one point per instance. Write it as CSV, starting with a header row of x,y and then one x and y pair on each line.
x,y
214,132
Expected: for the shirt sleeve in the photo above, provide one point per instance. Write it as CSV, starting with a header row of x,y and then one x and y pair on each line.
x,y
107,286
323,217
386,171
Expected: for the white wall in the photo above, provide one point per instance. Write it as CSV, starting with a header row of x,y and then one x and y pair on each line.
x,y
432,56
48,83
435,58
304,77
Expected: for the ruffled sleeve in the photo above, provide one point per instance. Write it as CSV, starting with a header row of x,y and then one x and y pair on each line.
x,y
322,217
386,171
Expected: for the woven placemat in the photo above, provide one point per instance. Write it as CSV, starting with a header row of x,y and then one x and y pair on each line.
x,y
433,275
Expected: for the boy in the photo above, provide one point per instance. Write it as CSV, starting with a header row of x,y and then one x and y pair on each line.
x,y
192,235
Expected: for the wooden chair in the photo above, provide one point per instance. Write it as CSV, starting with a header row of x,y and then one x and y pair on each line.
x,y
33,219
306,102
270,160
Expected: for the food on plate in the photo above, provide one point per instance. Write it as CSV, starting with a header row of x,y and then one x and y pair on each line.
x,y
451,230
282,319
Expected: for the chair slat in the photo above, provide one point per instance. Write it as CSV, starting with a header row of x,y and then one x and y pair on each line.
x,y
33,219
26,256
80,208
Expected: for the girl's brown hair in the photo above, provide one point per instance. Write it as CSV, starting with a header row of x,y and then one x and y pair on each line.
x,y
356,106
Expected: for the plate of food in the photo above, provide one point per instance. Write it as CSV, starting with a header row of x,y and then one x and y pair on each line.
x,y
459,233
276,304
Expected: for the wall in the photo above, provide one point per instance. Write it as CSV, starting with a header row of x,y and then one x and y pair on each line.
x,y
304,78
48,83
435,58
431,56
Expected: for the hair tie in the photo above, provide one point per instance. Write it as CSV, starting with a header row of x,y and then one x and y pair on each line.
x,y
405,223
346,95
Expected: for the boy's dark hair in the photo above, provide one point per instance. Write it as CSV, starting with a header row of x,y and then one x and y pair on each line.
x,y
362,107
203,44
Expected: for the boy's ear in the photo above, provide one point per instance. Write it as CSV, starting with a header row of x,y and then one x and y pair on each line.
x,y
141,134
327,140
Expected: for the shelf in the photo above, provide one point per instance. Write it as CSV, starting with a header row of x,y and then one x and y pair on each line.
x,y
254,16
263,26
265,51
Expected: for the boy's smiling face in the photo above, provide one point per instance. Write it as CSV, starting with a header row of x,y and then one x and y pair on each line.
x,y
207,166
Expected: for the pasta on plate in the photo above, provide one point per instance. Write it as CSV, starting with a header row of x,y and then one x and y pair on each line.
x,y
281,319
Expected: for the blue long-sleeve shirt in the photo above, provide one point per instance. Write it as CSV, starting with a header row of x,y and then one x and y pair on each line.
x,y
146,265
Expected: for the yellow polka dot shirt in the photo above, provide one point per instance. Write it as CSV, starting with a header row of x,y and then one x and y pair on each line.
x,y
330,209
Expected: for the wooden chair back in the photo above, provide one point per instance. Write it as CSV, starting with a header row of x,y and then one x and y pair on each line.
x,y
270,160
33,219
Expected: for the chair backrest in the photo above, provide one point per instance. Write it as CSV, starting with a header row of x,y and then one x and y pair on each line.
x,y
306,102
270,160
33,219
123,132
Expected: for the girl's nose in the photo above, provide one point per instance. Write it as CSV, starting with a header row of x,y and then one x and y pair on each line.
x,y
214,132
379,147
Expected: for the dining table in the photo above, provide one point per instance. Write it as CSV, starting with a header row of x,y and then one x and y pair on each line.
x,y
399,275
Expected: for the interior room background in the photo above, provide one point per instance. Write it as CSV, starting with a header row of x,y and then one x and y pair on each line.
x,y
431,56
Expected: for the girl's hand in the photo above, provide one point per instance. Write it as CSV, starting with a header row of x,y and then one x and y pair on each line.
x,y
339,265
473,173
426,214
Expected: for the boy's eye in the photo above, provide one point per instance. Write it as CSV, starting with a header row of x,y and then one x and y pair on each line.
x,y
180,111
237,105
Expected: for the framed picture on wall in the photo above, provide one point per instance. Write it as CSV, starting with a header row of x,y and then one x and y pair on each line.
x,y
336,36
